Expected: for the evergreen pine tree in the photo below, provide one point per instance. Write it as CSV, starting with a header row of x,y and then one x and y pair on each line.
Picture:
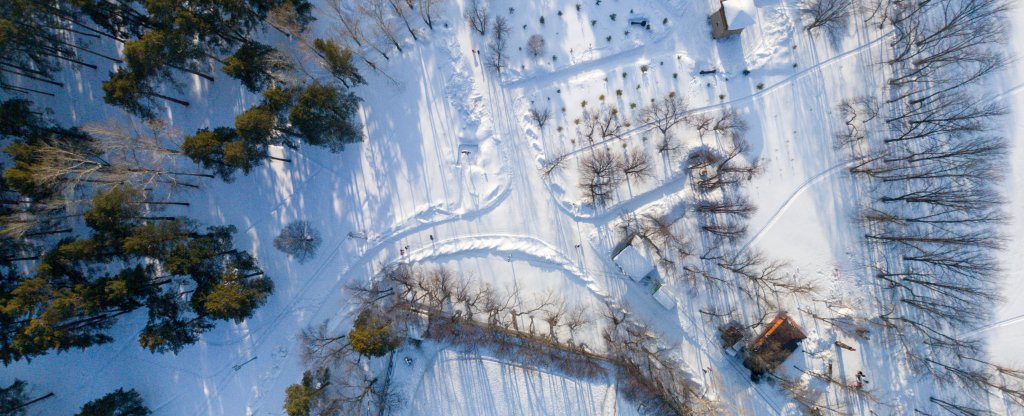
x,y
372,335
13,399
223,151
134,94
325,116
254,65
338,61
300,399
116,403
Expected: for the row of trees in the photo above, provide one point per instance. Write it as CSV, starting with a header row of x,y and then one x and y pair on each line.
x,y
542,330
932,155
159,41
316,114
601,171
374,29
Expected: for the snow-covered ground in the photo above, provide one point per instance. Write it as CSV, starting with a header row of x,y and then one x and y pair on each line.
x,y
449,175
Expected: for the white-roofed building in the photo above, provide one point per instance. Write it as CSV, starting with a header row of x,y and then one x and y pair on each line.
x,y
664,299
732,17
633,263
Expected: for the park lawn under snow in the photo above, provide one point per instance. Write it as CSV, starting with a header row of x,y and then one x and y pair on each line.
x,y
488,213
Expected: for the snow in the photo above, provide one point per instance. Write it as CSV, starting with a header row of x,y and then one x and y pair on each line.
x,y
739,14
410,194
664,299
633,264
491,386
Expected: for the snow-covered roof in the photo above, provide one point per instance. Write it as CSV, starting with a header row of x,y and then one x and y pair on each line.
x,y
664,299
633,263
739,13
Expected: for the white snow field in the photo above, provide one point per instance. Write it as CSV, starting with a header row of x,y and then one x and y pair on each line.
x,y
449,174
489,386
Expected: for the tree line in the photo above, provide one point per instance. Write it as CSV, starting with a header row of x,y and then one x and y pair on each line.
x,y
90,223
439,305
932,156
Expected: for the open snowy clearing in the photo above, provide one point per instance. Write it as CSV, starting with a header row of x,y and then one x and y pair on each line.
x,y
449,176
460,384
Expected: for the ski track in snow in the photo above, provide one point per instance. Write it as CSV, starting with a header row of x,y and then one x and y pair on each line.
x,y
725,104
529,248
789,201
1005,322
510,143
441,356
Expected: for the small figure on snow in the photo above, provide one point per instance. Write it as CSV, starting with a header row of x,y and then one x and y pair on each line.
x,y
431,237
401,251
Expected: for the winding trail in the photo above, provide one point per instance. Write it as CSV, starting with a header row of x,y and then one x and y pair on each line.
x,y
519,190
789,201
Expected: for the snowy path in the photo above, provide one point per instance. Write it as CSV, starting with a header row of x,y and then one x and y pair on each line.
x,y
789,201
778,85
438,206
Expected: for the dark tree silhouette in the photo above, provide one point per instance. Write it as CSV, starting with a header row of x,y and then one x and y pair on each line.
x,y
298,239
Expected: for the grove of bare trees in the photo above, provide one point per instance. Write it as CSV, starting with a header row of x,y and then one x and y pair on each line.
x,y
932,158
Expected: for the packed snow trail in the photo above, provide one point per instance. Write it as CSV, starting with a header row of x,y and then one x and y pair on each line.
x,y
789,201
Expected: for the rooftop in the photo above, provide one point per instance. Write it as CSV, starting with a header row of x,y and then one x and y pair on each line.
x,y
739,13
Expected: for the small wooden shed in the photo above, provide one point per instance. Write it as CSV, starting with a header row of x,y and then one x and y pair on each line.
x,y
732,17
778,341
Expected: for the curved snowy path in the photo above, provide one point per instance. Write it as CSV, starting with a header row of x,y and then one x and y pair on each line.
x,y
523,219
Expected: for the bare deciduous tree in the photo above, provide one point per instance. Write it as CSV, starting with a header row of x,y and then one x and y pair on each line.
x,y
540,116
636,165
535,45
497,58
663,115
476,14
553,163
403,9
600,176
426,9
605,123
377,12
830,15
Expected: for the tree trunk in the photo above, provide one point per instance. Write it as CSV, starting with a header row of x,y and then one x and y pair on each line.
x,y
171,99
38,233
193,72
23,90
72,60
22,74
33,401
14,259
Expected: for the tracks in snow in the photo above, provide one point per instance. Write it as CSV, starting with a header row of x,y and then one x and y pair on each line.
x,y
789,201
